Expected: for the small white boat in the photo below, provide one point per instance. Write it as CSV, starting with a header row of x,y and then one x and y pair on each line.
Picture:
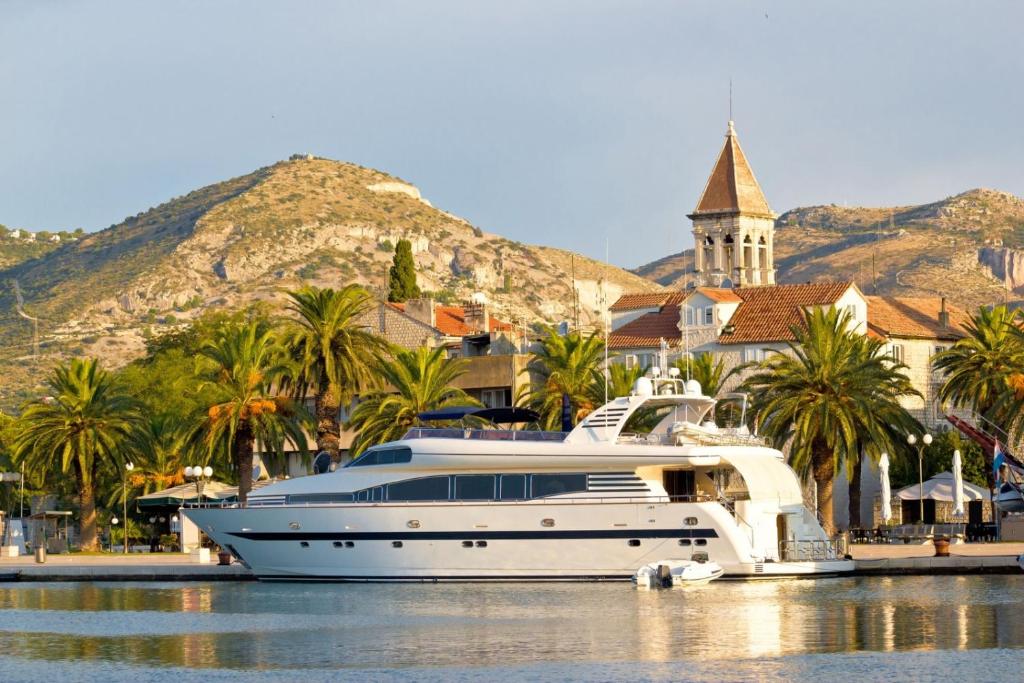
x,y
666,573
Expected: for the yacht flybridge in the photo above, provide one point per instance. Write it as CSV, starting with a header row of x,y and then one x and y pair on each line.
x,y
644,477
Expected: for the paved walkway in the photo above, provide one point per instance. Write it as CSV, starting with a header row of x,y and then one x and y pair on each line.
x,y
875,551
116,567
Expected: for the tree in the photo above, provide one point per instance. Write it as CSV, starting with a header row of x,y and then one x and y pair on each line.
x,y
402,276
978,368
333,351
242,367
564,365
419,381
833,395
620,382
710,373
84,427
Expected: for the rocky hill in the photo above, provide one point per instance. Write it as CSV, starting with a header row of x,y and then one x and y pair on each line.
x,y
251,238
969,248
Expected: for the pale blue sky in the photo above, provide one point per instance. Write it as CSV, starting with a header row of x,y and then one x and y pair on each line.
x,y
548,122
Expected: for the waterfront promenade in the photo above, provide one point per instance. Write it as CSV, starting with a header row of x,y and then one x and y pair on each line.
x,y
876,560
115,567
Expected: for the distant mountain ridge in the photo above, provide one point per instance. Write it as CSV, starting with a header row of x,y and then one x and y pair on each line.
x,y
251,238
968,247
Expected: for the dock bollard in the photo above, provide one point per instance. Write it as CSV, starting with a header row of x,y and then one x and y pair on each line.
x,y
41,555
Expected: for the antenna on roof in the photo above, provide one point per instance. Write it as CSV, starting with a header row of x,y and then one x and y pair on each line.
x,y
730,98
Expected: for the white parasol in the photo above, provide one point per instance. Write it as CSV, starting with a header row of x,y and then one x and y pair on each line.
x,y
883,469
958,486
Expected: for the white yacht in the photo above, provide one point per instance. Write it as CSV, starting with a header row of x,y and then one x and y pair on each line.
x,y
595,503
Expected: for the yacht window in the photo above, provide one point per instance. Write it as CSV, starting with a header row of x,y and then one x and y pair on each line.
x,y
543,485
427,488
701,541
382,456
363,495
320,498
513,487
474,487
684,541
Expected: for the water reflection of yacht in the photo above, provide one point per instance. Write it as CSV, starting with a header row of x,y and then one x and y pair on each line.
x,y
596,503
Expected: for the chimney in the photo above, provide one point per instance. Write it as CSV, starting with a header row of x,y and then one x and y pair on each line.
x,y
943,315
477,318
422,310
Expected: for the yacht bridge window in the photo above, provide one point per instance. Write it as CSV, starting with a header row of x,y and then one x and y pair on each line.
x,y
383,456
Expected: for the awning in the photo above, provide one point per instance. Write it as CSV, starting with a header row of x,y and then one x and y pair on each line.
x,y
213,491
940,487
182,493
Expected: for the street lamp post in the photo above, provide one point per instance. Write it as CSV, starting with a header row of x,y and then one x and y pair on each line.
x,y
925,441
113,523
200,475
124,494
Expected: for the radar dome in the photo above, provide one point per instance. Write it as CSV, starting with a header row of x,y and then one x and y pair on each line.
x,y
692,387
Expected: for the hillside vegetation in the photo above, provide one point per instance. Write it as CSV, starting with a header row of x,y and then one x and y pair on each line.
x,y
247,240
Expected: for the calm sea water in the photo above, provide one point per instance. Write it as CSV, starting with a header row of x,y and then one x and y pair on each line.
x,y
906,628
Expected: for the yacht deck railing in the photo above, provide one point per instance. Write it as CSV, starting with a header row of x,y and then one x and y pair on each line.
x,y
482,434
810,551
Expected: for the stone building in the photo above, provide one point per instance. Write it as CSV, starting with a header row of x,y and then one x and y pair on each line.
x,y
733,226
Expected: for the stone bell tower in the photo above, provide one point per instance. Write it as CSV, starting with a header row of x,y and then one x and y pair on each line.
x,y
733,226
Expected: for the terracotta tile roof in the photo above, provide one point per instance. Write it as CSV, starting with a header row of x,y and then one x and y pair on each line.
x,y
648,330
720,295
451,320
631,302
767,313
902,316
732,188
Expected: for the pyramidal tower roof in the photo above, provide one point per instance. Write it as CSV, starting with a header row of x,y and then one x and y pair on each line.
x,y
732,187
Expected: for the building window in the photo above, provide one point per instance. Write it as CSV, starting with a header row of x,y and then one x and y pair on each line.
x,y
496,398
896,351
709,315
754,355
689,316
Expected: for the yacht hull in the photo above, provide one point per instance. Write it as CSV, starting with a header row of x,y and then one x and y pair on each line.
x,y
522,541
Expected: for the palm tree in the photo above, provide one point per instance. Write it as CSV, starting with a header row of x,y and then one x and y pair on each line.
x,y
84,427
566,365
832,394
243,366
334,353
978,368
162,447
620,382
419,380
705,369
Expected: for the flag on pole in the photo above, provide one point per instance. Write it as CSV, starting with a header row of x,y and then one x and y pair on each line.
x,y
997,461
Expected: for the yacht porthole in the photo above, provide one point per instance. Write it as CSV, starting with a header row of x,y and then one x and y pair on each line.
x,y
396,544
304,544
294,525
413,524
684,541
339,544
547,521
481,544
690,521
467,544
701,541
634,542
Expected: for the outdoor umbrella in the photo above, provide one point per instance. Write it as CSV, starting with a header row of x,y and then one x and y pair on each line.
x,y
958,486
883,468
